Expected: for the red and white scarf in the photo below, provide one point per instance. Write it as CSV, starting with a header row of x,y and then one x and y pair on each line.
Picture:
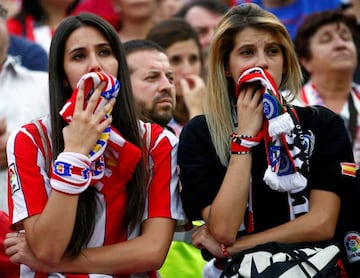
x,y
128,155
286,153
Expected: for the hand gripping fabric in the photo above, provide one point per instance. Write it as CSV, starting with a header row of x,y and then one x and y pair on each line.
x,y
128,155
91,81
286,152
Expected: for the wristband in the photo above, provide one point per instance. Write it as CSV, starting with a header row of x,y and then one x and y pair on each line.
x,y
71,173
225,251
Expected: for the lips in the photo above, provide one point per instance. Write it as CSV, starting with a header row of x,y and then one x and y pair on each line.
x,y
165,100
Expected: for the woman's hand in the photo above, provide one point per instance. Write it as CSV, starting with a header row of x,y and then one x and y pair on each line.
x,y
202,239
81,134
250,109
19,252
193,90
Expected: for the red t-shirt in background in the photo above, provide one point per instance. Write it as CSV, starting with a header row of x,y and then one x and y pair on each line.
x,y
104,8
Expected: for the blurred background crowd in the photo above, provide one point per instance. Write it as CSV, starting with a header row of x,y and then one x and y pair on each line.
x,y
184,29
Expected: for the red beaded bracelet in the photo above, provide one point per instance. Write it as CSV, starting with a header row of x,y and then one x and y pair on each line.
x,y
225,251
242,144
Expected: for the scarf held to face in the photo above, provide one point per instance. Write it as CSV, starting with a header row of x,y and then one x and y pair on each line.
x,y
126,153
286,148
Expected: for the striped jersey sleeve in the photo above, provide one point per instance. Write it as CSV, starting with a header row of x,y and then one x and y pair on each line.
x,y
28,182
163,185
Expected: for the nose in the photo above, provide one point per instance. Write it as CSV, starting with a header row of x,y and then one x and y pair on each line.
x,y
261,61
94,64
339,41
165,84
186,68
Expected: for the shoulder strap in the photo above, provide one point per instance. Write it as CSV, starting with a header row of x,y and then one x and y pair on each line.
x,y
44,143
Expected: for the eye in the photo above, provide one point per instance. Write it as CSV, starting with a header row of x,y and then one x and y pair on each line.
x,y
274,50
170,77
193,59
246,51
325,38
346,35
175,60
105,52
151,77
78,56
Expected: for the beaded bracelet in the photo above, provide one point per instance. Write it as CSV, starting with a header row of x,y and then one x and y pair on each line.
x,y
242,152
241,136
242,144
225,251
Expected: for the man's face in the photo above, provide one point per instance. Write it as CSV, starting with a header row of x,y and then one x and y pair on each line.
x,y
153,84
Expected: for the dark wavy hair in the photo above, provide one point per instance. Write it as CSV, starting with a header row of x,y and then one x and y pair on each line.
x,y
124,120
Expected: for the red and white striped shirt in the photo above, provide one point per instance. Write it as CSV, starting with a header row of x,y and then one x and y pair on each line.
x,y
29,188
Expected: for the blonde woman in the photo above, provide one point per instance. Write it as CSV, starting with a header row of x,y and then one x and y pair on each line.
x,y
252,167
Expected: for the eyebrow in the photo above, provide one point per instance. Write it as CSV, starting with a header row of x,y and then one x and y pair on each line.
x,y
251,44
79,48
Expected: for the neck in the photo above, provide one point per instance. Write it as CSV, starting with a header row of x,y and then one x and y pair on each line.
x,y
276,3
334,90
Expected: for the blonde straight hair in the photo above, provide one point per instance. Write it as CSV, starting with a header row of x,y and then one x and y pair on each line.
x,y
219,100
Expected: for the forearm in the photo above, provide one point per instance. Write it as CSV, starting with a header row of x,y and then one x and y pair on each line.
x,y
113,259
317,225
49,233
291,232
228,209
144,253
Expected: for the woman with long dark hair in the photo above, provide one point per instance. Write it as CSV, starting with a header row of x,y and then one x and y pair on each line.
x,y
126,200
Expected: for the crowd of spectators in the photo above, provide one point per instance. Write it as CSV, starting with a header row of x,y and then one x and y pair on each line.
x,y
183,30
